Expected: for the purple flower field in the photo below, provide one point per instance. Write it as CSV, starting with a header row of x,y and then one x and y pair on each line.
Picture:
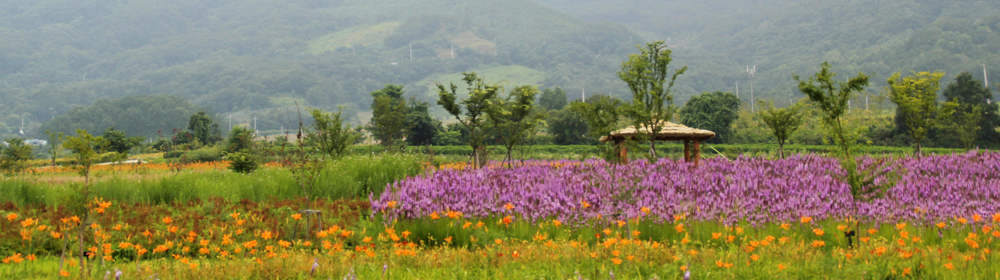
x,y
927,190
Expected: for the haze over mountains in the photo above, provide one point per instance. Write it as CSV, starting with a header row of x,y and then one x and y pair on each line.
x,y
259,57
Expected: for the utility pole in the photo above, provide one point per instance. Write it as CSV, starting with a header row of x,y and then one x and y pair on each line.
x,y
230,117
255,132
583,95
737,89
411,50
452,48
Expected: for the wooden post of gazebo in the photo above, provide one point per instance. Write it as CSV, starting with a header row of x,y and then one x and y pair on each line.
x,y
668,132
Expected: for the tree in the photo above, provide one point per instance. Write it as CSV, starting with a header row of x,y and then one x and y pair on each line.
x,y
783,122
513,120
14,156
475,106
240,138
83,149
966,125
567,127
602,114
969,93
117,141
423,127
916,99
201,127
832,97
330,134
714,111
552,99
55,145
652,103
389,114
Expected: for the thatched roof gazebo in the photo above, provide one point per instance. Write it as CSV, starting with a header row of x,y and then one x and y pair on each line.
x,y
668,132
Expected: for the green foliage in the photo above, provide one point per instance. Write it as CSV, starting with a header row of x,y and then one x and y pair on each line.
x,y
514,120
55,145
970,93
568,127
783,122
84,150
242,161
388,124
117,141
14,156
713,111
602,114
916,100
552,99
240,138
652,104
832,96
201,126
141,115
475,108
330,134
422,127
966,126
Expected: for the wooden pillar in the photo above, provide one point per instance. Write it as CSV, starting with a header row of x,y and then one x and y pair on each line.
x,y
697,152
687,150
623,151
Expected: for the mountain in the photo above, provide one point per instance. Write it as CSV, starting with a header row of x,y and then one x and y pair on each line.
x,y
260,58
718,39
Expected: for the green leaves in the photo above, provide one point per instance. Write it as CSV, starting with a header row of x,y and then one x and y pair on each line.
x,y
331,134
916,99
645,74
480,97
832,96
783,122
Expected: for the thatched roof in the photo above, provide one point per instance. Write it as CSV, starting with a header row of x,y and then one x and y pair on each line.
x,y
668,132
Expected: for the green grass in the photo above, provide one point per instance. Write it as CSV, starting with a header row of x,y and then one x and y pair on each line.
x,y
364,35
352,176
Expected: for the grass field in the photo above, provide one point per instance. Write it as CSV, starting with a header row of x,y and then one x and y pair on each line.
x,y
364,35
507,76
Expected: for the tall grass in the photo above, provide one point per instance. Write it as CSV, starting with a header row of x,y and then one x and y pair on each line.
x,y
352,176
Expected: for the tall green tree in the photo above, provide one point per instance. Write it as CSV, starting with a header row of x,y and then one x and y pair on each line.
x,y
567,127
831,97
475,106
552,99
713,111
646,75
602,114
422,127
83,146
966,126
783,122
969,93
330,133
117,141
201,126
514,118
389,111
916,99
55,145
14,156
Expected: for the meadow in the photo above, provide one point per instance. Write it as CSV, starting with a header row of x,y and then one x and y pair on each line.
x,y
409,217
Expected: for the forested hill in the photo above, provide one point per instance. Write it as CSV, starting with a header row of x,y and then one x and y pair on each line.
x,y
258,57
717,39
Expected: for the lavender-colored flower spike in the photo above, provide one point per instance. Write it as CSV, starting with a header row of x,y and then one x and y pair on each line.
x,y
315,266
578,277
107,274
612,275
687,274
118,274
385,266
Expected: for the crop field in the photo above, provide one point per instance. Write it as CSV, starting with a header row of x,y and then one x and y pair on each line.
x,y
740,218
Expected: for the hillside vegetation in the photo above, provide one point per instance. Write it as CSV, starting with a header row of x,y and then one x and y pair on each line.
x,y
255,58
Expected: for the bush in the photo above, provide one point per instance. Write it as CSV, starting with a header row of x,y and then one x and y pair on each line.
x,y
207,154
242,162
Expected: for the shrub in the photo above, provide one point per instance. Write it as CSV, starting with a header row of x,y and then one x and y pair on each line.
x,y
242,162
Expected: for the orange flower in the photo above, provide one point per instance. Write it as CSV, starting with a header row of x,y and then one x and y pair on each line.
x,y
785,226
716,235
781,267
167,220
818,232
506,220
818,243
367,239
297,216
679,228
949,266
64,273
962,220
508,206
28,222
556,223
446,239
266,235
56,235
435,216
11,217
941,224
617,261
806,219
391,204
235,216
872,231
842,227
977,218
644,210
754,257
466,225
